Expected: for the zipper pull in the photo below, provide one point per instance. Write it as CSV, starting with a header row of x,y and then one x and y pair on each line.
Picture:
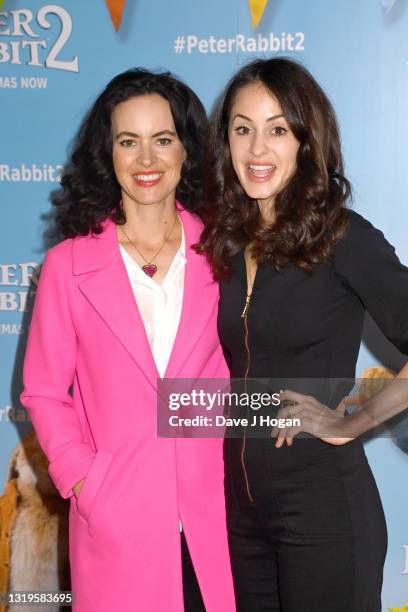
x,y
243,314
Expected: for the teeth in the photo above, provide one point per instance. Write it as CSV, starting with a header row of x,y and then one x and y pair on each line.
x,y
258,168
147,177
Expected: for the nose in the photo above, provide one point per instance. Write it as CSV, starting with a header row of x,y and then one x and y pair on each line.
x,y
146,155
258,144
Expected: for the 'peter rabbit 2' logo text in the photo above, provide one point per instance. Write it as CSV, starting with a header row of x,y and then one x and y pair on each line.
x,y
27,42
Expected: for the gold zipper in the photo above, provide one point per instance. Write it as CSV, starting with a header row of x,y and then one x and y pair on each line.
x,y
244,315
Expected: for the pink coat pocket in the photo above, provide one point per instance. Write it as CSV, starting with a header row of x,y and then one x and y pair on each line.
x,y
93,482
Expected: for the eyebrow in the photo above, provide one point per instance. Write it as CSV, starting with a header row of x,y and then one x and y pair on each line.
x,y
134,135
249,119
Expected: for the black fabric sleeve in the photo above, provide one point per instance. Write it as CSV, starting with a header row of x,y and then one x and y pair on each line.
x,y
368,265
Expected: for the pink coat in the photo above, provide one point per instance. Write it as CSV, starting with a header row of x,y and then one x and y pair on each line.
x,y
86,331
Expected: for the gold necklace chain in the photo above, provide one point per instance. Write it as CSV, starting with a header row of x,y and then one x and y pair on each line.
x,y
150,268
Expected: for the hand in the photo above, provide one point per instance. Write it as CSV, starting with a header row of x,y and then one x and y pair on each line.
x,y
77,487
315,418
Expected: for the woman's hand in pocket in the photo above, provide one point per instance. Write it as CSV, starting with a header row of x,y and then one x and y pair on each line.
x,y
77,487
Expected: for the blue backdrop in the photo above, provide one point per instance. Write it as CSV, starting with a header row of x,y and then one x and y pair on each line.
x,y
54,59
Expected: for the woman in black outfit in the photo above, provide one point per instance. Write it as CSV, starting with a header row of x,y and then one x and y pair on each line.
x,y
297,271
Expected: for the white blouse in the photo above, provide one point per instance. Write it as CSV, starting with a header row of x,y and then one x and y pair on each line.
x,y
159,305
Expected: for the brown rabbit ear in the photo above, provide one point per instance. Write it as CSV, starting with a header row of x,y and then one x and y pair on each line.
x,y
19,453
12,471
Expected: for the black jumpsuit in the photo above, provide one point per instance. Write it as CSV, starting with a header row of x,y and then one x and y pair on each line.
x,y
306,524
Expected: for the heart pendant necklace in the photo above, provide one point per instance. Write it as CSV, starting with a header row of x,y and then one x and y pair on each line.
x,y
150,268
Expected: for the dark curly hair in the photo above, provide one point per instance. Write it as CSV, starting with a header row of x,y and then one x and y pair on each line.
x,y
310,214
90,192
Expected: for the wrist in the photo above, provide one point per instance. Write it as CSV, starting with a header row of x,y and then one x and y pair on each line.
x,y
346,429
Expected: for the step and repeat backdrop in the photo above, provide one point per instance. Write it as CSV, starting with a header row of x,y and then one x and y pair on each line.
x,y
55,59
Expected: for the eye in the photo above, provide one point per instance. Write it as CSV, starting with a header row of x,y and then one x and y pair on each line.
x,y
127,143
164,142
279,130
242,130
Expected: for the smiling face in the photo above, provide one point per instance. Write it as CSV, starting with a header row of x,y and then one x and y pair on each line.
x,y
263,147
147,153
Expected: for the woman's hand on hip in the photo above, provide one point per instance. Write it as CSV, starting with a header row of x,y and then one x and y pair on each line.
x,y
312,417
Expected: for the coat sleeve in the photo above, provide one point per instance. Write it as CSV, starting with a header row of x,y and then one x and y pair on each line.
x,y
369,266
49,368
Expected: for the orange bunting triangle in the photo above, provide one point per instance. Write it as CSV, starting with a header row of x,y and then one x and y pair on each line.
x,y
116,8
257,8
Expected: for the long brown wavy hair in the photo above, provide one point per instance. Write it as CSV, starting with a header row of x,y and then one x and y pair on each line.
x,y
310,213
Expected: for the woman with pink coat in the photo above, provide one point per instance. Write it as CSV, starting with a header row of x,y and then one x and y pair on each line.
x,y
123,301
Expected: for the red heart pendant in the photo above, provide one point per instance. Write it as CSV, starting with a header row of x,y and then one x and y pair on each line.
x,y
149,269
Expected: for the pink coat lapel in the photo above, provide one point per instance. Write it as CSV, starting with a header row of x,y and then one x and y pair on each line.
x,y
106,286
